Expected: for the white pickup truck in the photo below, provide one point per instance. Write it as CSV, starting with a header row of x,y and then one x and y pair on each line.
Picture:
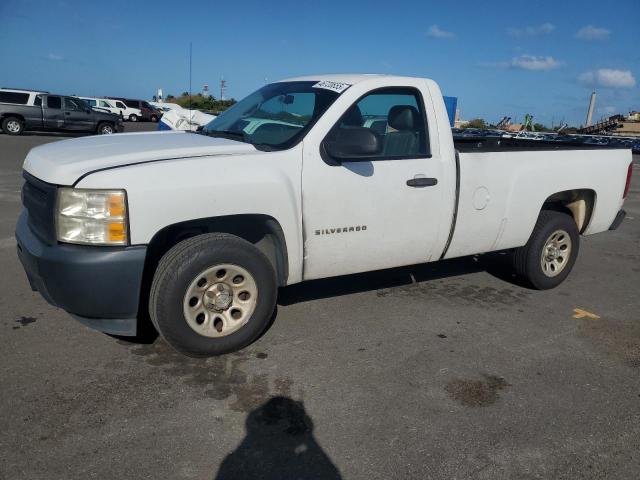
x,y
306,178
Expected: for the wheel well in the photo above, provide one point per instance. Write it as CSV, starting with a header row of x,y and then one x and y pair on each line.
x,y
12,115
262,231
578,203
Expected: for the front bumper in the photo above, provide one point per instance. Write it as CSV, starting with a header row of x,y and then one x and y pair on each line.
x,y
99,286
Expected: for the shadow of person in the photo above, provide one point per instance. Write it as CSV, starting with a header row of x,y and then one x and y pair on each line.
x,y
279,444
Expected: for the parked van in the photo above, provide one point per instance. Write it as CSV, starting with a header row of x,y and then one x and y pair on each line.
x,y
147,111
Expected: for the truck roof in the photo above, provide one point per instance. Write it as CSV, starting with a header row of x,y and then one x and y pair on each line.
x,y
351,78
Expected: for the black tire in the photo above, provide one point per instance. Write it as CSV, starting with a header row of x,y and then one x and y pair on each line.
x,y
528,260
181,265
133,118
154,118
12,126
105,128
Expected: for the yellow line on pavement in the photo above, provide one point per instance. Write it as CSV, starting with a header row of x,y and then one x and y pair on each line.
x,y
580,313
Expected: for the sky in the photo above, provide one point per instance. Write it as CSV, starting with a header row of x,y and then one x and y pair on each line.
x,y
498,57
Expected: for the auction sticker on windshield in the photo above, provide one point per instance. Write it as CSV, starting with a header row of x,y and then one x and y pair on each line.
x,y
338,87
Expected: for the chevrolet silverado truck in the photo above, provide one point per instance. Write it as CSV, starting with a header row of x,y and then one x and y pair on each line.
x,y
306,178
23,110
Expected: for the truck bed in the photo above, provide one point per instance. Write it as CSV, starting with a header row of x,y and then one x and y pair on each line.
x,y
488,143
501,193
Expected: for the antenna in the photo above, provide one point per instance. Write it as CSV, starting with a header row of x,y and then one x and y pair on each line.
x,y
190,71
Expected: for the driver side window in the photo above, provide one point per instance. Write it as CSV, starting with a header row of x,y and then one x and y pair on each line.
x,y
396,116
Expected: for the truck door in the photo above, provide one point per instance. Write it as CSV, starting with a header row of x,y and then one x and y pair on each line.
x,y
384,210
122,109
53,115
77,116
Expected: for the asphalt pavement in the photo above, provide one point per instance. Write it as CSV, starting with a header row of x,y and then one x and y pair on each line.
x,y
442,371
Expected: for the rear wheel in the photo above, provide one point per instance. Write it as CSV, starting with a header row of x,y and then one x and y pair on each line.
x,y
133,118
212,294
549,255
12,126
154,118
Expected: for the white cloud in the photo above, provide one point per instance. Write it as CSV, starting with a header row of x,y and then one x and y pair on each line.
x,y
531,62
437,32
592,33
608,77
53,56
531,30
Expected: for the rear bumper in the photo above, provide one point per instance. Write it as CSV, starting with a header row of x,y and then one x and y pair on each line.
x,y
618,220
100,286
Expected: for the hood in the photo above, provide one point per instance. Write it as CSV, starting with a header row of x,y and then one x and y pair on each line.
x,y
64,162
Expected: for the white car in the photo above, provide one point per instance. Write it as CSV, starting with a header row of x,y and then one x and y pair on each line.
x,y
113,106
198,231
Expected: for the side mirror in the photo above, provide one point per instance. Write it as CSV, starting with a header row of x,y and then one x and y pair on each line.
x,y
353,144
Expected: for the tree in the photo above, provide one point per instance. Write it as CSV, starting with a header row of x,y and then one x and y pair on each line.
x,y
476,123
170,97
202,103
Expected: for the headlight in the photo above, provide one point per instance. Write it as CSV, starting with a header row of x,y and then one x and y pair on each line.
x,y
95,217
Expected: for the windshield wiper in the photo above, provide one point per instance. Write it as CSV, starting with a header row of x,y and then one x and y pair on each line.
x,y
230,134
242,136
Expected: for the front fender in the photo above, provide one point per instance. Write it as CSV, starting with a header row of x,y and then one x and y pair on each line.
x,y
168,192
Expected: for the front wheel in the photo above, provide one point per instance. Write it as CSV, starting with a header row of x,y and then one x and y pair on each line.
x,y
12,126
549,255
133,118
105,129
212,294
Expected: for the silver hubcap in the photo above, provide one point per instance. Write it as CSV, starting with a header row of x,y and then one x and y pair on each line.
x,y
556,253
220,300
107,129
13,126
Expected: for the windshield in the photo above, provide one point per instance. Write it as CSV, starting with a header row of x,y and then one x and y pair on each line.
x,y
274,117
